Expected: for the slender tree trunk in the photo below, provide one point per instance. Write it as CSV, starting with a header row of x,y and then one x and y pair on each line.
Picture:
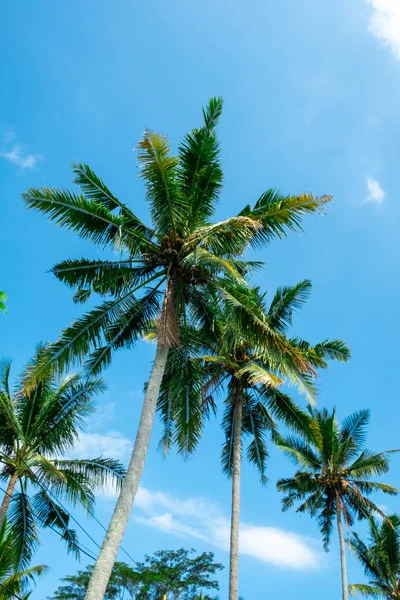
x,y
7,498
235,514
108,553
342,549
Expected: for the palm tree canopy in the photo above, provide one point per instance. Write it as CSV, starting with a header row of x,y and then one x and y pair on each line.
x,y
335,469
180,250
380,559
240,341
38,427
14,582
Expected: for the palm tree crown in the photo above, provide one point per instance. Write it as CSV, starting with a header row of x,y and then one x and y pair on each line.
x,y
334,481
380,559
180,250
37,427
336,470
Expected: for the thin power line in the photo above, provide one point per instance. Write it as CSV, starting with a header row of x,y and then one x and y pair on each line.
x,y
77,546
77,522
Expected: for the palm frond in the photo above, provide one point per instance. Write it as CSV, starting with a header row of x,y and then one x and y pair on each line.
x,y
200,172
285,301
279,214
159,171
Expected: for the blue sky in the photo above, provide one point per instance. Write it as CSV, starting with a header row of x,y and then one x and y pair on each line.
x,y
312,103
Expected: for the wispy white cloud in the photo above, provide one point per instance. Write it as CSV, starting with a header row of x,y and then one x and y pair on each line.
x,y
375,192
202,519
17,153
91,445
385,23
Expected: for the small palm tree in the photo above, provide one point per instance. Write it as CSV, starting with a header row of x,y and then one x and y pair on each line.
x,y
250,353
334,482
380,559
158,270
36,427
15,574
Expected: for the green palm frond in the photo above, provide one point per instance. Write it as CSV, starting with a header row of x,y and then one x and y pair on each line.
x,y
94,188
159,171
285,302
279,214
22,527
89,219
367,591
200,172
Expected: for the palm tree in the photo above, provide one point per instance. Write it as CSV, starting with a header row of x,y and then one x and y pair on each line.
x,y
15,574
245,352
158,270
334,482
36,428
246,349
380,559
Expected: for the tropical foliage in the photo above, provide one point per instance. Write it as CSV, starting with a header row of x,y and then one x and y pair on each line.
x,y
380,559
3,298
16,576
174,574
159,271
38,427
336,473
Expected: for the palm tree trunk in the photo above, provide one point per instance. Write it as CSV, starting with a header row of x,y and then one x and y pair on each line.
x,y
108,553
7,498
342,549
235,514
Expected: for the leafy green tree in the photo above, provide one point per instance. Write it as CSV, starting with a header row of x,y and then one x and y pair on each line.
x,y
158,270
250,356
380,559
15,574
171,573
334,479
37,425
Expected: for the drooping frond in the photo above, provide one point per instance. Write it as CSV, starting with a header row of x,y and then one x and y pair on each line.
x,y
285,302
279,214
22,527
94,188
88,218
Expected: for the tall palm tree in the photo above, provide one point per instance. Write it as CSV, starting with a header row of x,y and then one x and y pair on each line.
x,y
334,481
380,559
158,270
247,350
37,428
15,574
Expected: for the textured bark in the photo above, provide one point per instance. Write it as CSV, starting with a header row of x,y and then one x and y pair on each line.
x,y
235,514
7,498
342,550
108,553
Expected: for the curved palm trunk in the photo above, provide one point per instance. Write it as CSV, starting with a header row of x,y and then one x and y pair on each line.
x,y
235,514
342,550
108,553
7,498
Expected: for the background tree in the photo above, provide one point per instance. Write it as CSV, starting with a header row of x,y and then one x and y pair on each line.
x,y
174,573
36,426
250,356
158,269
380,559
334,481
